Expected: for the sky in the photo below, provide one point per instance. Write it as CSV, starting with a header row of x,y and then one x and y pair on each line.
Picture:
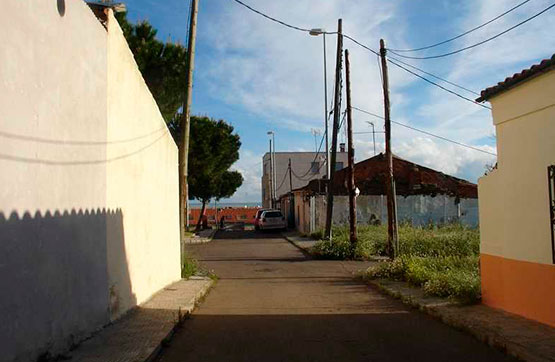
x,y
259,76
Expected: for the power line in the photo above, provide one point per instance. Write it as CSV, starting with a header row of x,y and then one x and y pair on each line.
x,y
426,132
360,44
283,181
354,41
272,18
410,65
479,43
438,85
463,34
435,76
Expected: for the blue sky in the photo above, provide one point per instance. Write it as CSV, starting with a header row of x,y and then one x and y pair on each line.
x,y
258,75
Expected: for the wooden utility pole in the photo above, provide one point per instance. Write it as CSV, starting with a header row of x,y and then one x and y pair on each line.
x,y
336,116
351,159
290,179
392,234
185,125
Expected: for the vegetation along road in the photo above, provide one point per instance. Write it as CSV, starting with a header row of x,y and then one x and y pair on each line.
x,y
272,303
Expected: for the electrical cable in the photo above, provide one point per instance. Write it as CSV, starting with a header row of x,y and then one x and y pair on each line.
x,y
435,76
479,43
351,39
438,85
425,132
271,18
463,34
283,181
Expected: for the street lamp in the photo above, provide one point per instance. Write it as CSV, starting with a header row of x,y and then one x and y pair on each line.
x,y
316,32
373,135
272,167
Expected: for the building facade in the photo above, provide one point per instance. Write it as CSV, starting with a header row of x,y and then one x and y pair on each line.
x,y
305,166
424,196
517,198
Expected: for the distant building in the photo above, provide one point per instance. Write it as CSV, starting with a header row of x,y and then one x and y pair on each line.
x,y
424,196
517,199
305,166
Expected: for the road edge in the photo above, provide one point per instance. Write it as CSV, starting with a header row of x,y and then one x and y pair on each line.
x,y
183,314
447,313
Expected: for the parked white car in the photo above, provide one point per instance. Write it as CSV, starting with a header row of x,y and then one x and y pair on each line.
x,y
272,220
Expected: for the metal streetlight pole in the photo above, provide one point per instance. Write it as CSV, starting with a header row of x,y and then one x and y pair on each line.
x,y
373,135
273,167
316,32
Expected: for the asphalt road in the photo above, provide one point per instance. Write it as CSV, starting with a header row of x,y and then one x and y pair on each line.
x,y
272,303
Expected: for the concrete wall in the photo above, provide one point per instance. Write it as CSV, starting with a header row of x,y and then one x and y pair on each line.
x,y
88,209
517,267
418,210
144,184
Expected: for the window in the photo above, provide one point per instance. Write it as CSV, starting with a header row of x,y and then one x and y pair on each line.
x,y
551,186
338,166
314,167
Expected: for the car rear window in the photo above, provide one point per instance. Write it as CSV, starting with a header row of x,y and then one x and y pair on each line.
x,y
273,214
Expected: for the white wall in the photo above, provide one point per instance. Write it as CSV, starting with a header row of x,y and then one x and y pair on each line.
x,y
144,185
88,224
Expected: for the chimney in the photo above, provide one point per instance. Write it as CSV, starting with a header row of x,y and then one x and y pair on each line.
x,y
341,147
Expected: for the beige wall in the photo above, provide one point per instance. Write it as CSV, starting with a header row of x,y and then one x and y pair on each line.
x,y
144,185
88,203
514,207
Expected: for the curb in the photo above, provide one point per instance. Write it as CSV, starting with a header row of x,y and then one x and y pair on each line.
x,y
446,311
182,315
305,251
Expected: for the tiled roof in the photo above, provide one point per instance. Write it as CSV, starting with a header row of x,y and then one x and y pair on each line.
x,y
544,66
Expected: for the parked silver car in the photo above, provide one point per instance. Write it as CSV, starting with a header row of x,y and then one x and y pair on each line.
x,y
272,220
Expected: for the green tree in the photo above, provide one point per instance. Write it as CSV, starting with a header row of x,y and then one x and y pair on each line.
x,y
213,148
161,64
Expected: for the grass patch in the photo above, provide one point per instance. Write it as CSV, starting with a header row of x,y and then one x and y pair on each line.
x,y
189,266
444,260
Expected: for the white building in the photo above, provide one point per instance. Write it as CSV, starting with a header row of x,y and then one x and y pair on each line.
x,y
305,166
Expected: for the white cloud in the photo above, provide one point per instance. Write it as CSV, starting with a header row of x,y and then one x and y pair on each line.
x,y
276,73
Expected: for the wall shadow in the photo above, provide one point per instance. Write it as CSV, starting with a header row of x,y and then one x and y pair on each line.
x,y
56,279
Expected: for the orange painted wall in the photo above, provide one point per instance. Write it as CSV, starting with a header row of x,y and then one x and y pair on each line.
x,y
519,287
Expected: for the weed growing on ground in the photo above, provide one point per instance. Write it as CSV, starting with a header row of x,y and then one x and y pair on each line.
x,y
189,267
443,260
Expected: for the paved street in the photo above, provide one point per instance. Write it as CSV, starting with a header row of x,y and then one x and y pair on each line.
x,y
272,303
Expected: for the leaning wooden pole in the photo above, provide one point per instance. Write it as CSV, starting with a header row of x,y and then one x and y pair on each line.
x,y
185,125
392,235
351,160
335,130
